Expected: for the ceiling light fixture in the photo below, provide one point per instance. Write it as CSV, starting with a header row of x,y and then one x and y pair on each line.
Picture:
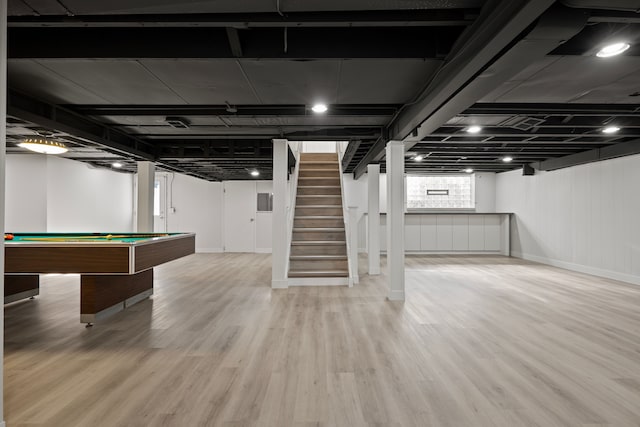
x,y
468,170
613,49
117,165
418,158
255,173
474,129
507,159
43,146
610,129
319,108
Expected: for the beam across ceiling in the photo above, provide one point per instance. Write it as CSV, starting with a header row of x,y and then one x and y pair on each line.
x,y
255,43
362,18
596,155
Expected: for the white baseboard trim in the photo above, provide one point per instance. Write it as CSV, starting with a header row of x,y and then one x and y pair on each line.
x,y
208,250
396,296
263,250
580,268
279,284
318,281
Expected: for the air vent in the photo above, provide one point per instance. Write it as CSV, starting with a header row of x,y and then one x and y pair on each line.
x,y
522,122
177,122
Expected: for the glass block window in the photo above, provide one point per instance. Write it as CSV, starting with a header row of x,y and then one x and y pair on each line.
x,y
440,192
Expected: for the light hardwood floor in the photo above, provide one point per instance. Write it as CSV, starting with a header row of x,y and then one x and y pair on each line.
x,y
480,341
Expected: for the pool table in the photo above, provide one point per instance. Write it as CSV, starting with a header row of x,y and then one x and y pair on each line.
x,y
116,269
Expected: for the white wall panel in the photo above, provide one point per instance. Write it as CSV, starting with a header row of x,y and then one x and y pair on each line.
x,y
197,208
84,199
584,217
429,232
412,232
445,232
26,193
476,232
460,235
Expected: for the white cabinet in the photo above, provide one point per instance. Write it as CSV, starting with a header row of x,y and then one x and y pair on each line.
x,y
428,232
460,229
412,232
453,233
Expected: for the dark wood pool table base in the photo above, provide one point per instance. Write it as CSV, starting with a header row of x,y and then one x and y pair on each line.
x,y
113,276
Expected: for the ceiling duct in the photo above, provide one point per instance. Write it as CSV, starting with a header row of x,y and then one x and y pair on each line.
x,y
625,5
522,122
177,122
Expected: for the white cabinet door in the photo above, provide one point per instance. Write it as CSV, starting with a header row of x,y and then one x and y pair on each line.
x,y
476,232
445,232
412,232
460,232
428,232
240,204
492,236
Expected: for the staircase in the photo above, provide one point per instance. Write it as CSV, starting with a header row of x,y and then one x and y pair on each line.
x,y
318,245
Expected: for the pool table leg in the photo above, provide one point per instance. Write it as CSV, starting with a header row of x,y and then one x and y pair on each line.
x,y
20,286
104,295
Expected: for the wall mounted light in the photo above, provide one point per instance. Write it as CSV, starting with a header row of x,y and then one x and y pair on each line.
x,y
43,146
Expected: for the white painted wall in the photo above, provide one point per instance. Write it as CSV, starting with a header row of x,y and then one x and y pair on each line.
x,y
84,199
485,185
57,195
26,193
584,218
197,208
264,221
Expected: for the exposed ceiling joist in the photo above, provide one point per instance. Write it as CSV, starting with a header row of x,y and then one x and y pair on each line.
x,y
386,18
499,23
208,43
596,155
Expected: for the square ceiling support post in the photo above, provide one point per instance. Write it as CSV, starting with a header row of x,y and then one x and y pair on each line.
x,y
279,215
373,216
395,219
3,149
146,181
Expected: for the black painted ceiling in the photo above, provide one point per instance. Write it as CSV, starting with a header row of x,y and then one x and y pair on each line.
x,y
203,87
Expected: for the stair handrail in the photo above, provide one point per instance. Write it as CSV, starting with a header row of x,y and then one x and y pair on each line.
x,y
295,147
352,263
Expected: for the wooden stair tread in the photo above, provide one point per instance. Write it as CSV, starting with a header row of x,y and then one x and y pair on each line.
x,y
317,229
319,206
318,257
318,242
321,273
317,217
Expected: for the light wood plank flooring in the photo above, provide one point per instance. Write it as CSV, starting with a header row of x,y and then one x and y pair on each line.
x,y
480,341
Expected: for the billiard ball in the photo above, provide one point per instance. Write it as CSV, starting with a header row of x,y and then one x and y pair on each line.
x,y
8,237
109,236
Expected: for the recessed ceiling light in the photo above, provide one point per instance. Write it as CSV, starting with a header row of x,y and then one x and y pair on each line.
x,y
468,170
255,173
319,108
610,129
474,129
116,165
613,49
507,159
418,158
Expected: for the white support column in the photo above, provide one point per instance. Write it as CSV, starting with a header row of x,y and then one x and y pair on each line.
x,y
373,219
353,244
146,181
279,215
3,145
395,219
